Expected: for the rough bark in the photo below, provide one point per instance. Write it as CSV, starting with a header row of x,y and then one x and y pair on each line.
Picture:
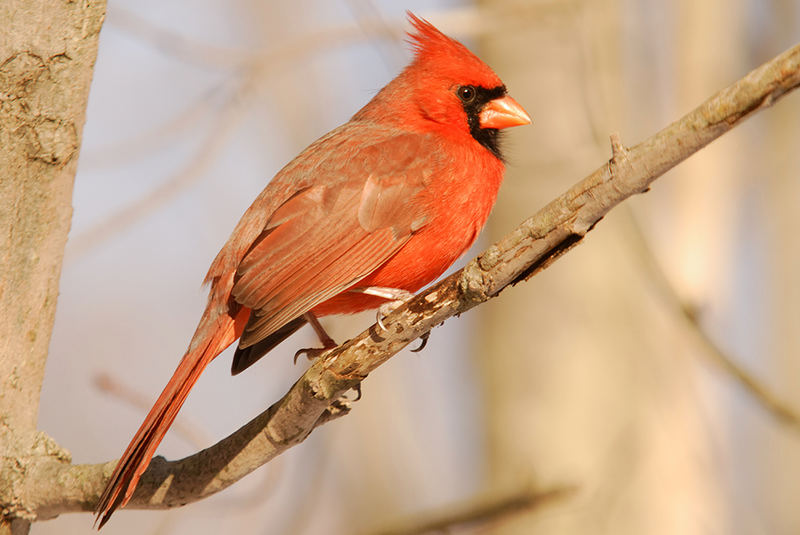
x,y
47,54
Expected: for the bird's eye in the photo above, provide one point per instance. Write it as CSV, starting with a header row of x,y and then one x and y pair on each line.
x,y
466,93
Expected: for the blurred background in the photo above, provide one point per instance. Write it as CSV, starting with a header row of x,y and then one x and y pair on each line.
x,y
653,369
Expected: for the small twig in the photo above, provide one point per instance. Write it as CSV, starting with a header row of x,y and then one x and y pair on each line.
x,y
760,392
619,153
618,150
477,512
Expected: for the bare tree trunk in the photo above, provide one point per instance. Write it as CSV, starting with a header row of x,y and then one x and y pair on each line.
x,y
46,58
588,392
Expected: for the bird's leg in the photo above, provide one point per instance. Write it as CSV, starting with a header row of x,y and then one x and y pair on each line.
x,y
327,342
324,338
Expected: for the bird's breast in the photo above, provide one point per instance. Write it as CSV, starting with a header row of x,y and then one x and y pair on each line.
x,y
458,199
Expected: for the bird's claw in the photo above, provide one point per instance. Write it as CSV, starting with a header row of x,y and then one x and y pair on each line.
x,y
387,308
311,353
423,341
383,310
346,400
394,296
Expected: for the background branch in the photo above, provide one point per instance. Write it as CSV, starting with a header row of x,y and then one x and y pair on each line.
x,y
758,390
480,511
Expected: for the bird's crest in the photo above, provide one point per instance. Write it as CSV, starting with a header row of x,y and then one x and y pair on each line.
x,y
426,36
444,54
427,40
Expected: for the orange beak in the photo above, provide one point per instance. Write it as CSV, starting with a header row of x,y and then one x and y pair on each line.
x,y
502,113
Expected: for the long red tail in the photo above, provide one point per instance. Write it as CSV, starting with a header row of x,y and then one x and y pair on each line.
x,y
209,341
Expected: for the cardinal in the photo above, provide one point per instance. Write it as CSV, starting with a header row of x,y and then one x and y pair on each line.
x,y
363,217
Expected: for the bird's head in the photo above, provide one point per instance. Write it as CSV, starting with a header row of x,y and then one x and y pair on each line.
x,y
449,89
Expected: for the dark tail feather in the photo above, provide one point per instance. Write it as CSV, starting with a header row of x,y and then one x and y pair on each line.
x,y
247,356
142,447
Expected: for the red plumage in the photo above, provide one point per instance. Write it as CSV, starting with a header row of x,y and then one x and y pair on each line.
x,y
390,199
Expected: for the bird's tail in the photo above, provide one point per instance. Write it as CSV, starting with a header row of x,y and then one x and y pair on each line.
x,y
211,338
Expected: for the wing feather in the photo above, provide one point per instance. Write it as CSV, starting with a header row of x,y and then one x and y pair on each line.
x,y
320,286
325,238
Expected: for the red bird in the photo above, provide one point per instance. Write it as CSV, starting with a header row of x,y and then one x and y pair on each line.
x,y
368,213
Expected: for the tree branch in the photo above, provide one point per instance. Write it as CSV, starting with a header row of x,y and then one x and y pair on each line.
x,y
316,397
480,511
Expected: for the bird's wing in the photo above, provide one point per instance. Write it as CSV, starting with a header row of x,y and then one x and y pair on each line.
x,y
333,233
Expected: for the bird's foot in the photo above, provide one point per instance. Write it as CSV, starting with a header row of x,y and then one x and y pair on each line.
x,y
395,297
327,342
345,402
313,353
